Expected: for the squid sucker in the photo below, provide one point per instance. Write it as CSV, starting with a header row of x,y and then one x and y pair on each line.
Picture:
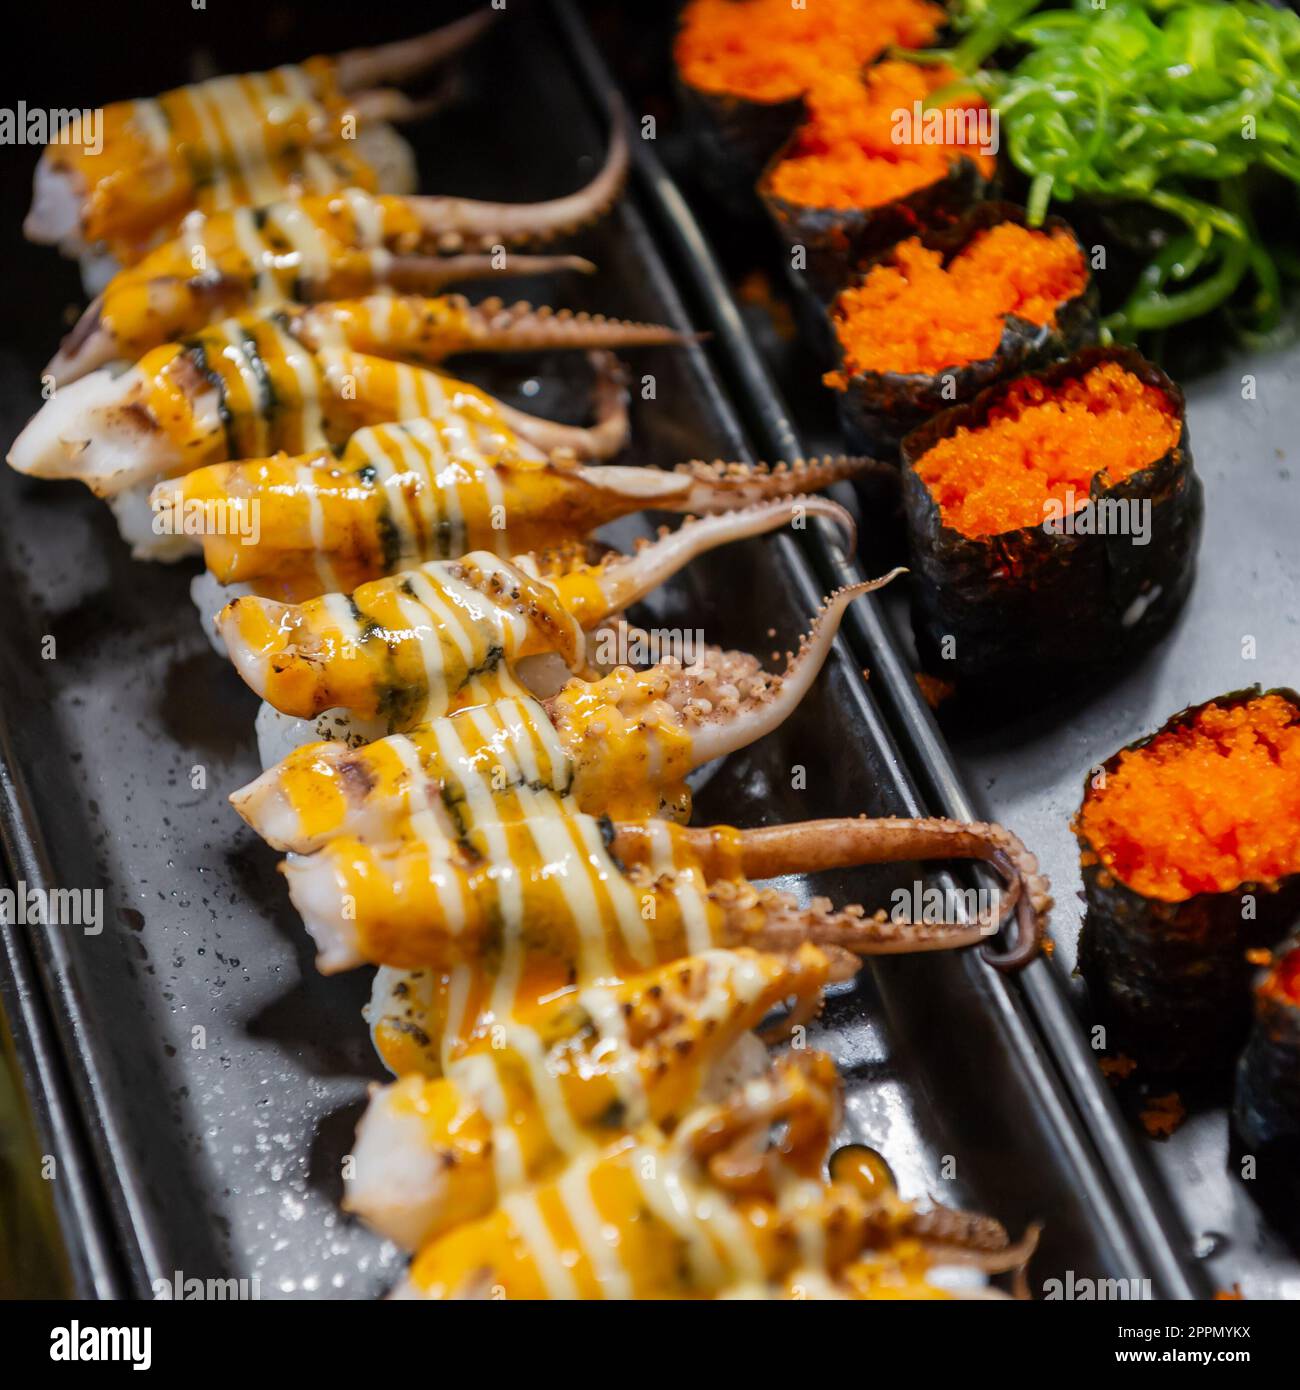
x,y
293,380
732,1204
334,246
236,140
405,648
425,330
594,899
397,497
570,1071
621,745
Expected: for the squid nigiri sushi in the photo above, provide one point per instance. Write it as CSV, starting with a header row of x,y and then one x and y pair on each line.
x,y
322,247
315,127
574,1070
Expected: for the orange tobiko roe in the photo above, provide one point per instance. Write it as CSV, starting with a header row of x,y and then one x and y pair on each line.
x,y
1284,979
1204,808
854,152
1041,442
914,314
771,50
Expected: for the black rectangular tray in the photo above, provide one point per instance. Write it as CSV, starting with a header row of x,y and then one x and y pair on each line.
x,y
1193,1216
222,1159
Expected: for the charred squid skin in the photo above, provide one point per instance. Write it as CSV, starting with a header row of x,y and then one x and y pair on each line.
x,y
813,846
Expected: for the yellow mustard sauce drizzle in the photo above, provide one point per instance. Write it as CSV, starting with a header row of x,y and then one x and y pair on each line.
x,y
210,146
331,246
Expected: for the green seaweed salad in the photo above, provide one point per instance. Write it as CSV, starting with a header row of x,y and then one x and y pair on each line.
x,y
1176,119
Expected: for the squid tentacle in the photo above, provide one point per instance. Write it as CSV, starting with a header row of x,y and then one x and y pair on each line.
x,y
800,1093
175,299
627,578
776,921
359,68
713,738
1008,1258
722,702
422,329
428,274
390,104
714,484
522,327
812,846
455,223
609,403
318,504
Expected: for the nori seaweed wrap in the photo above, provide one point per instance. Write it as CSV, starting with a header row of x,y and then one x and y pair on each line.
x,y
878,408
1266,1109
838,240
1171,979
733,138
1019,612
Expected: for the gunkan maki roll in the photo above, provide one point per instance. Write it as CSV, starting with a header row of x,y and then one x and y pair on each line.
x,y
870,166
944,315
743,67
1053,525
1190,850
1266,1106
